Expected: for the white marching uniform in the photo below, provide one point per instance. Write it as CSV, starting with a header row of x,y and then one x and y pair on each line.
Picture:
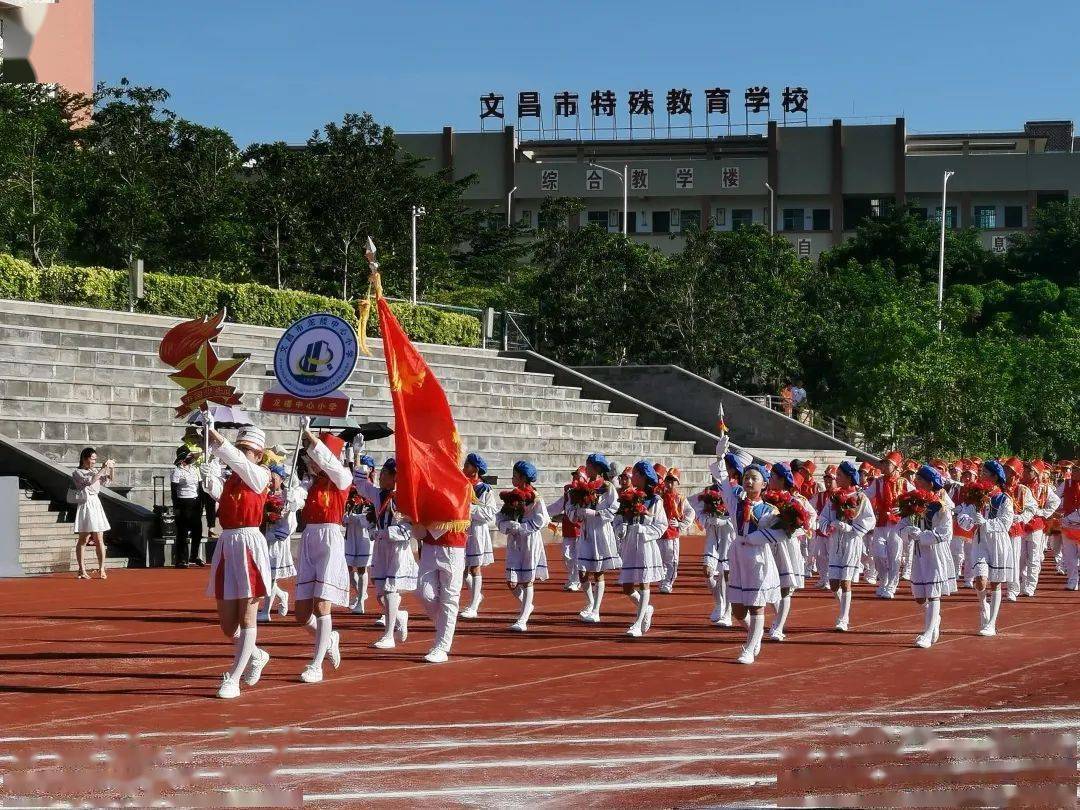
x,y
569,543
240,568
279,534
992,548
933,572
641,560
89,514
1028,509
753,579
846,539
478,547
596,549
670,546
393,566
358,538
321,572
787,550
1033,547
719,532
1070,548
526,559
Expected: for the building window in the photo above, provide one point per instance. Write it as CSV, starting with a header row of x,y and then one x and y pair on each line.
x,y
599,218
857,209
793,219
631,222
985,216
690,220
741,218
720,217
661,221
822,219
1014,216
1047,197
950,216
526,218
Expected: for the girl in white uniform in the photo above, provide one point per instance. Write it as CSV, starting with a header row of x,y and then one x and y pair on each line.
x,y
596,550
711,509
526,560
240,569
479,550
639,522
787,551
932,569
393,566
727,472
680,519
845,529
1070,532
991,548
1033,548
358,544
278,529
90,520
754,581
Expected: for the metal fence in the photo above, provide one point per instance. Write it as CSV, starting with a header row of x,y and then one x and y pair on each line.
x,y
499,329
837,428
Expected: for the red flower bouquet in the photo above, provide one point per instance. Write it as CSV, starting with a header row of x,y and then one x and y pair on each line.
x,y
976,494
515,501
845,505
585,494
792,515
915,503
632,505
712,502
275,505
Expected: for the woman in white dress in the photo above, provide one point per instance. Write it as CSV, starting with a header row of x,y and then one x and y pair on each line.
x,y
639,522
479,550
845,520
992,547
526,560
930,535
90,521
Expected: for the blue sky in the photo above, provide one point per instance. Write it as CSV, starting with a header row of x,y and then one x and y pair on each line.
x,y
276,69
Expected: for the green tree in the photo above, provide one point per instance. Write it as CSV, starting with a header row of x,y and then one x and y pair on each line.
x,y
1051,250
277,206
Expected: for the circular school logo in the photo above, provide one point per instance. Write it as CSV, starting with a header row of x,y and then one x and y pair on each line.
x,y
315,356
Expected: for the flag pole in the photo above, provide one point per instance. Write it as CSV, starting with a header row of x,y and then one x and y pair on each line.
x,y
296,452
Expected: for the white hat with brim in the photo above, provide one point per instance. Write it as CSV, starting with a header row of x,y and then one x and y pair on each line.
x,y
252,437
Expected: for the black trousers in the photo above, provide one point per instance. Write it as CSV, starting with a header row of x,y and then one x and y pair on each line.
x,y
209,505
188,530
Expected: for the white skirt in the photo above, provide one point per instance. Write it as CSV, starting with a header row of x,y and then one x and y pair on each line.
x,y
790,568
526,559
358,546
752,580
240,568
322,573
90,516
641,560
393,567
844,554
718,534
992,556
597,551
478,547
933,574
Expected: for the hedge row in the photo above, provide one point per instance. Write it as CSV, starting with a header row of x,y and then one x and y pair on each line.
x,y
190,297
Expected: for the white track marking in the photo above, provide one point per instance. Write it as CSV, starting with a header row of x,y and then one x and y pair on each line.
x,y
591,787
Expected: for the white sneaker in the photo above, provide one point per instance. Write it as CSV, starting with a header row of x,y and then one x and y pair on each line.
x,y
519,626
573,587
403,624
437,656
467,613
584,613
725,620
647,619
381,621
871,581
746,656
634,631
259,659
989,630
230,687
714,617
358,607
592,618
1011,597
666,587
262,618
384,643
824,585
888,595
334,653
841,625
937,634
776,635
283,605
311,674
922,641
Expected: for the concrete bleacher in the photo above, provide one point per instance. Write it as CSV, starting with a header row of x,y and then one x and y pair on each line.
x,y
71,377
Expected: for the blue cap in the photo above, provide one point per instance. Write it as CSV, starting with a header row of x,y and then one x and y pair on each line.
x,y
367,461
390,465
526,469
784,471
850,471
759,469
477,461
735,463
279,470
598,460
930,476
645,469
996,470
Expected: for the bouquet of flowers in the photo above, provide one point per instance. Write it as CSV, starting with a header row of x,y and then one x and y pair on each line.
x,y
712,502
914,504
632,504
515,501
976,494
275,505
845,505
585,494
791,514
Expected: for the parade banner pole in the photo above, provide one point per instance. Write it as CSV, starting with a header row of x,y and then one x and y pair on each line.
x,y
296,453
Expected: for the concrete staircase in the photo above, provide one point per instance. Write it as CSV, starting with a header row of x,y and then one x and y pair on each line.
x,y
47,538
71,377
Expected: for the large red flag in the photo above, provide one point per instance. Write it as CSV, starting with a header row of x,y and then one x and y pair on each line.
x,y
431,488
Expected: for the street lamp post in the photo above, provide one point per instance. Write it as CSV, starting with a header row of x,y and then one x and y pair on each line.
x,y
417,212
625,189
509,198
941,254
772,209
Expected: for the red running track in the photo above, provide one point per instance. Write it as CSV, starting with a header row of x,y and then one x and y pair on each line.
x,y
567,714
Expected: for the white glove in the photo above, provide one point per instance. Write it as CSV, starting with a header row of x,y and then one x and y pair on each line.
x,y
511,527
673,524
979,519
588,512
842,526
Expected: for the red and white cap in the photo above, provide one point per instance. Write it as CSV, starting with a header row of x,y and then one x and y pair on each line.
x,y
252,438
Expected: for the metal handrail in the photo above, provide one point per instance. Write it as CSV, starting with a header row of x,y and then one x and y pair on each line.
x,y
834,426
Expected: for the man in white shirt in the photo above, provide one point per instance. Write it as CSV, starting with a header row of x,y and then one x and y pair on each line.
x,y
187,508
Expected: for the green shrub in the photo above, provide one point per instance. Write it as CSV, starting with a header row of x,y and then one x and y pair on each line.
x,y
94,287
428,325
19,280
182,296
264,306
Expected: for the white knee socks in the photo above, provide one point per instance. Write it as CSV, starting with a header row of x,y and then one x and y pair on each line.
x,y
995,606
393,602
323,627
642,606
598,590
590,598
526,603
755,629
355,577
243,647
363,585
782,611
932,611
476,585
845,604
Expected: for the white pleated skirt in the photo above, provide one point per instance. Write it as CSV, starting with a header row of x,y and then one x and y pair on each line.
x,y
642,562
90,516
321,572
393,567
240,568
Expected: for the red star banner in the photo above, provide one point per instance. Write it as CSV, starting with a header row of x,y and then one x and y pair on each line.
x,y
188,347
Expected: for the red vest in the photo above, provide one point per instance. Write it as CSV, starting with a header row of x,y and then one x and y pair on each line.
x,y
451,539
240,506
325,503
